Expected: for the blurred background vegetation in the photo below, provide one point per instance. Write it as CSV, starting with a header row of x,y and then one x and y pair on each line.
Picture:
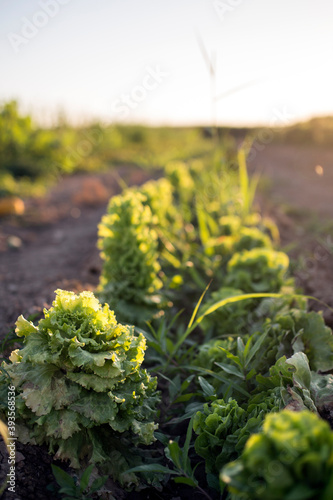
x,y
32,158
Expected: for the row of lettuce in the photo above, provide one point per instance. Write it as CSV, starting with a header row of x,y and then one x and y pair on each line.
x,y
215,315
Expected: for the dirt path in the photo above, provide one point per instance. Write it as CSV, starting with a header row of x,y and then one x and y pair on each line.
x,y
294,178
57,235
298,194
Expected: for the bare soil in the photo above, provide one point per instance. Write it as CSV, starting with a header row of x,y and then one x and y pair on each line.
x,y
53,245
298,195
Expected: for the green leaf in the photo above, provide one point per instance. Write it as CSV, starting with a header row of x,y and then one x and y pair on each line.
x,y
221,378
162,438
186,383
237,298
243,181
63,479
186,480
232,370
173,452
302,374
85,477
252,373
240,349
152,468
247,348
255,348
24,327
207,388
203,229
197,306
97,484
185,397
231,356
186,459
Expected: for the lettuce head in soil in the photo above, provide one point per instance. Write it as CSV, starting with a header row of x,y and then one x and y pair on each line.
x,y
79,382
292,458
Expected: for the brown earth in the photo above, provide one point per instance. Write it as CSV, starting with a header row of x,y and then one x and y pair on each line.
x,y
297,192
53,245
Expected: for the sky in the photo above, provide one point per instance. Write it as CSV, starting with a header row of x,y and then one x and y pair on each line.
x,y
174,62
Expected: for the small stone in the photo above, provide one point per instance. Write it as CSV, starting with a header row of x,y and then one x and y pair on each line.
x,y
14,242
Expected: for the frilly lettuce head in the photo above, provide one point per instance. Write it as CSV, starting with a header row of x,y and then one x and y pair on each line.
x,y
223,429
257,270
129,243
292,458
79,382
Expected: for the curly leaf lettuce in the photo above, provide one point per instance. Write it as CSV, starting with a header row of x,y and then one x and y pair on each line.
x,y
128,243
292,458
79,380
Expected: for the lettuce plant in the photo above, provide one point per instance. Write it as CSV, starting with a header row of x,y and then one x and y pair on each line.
x,y
159,196
257,270
292,458
223,429
296,331
229,224
128,241
309,335
249,238
79,382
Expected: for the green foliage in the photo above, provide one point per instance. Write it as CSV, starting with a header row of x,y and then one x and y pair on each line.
x,y
179,457
80,490
249,238
223,429
79,382
229,224
128,243
257,270
292,458
247,185
159,195
211,352
309,335
229,320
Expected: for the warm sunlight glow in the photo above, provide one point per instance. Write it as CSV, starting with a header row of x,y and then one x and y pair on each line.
x,y
189,62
